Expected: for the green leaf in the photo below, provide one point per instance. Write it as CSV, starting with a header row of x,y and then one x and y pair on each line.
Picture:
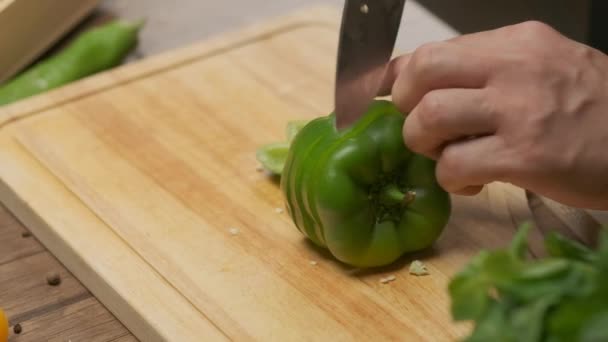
x,y
574,317
469,290
562,297
493,325
502,267
551,277
527,321
273,156
602,254
544,269
596,328
519,244
560,246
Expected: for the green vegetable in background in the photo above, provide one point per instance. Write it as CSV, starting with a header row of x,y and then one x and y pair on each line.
x,y
93,51
360,192
562,297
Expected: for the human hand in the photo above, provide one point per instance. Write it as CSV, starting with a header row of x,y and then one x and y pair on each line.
x,y
520,104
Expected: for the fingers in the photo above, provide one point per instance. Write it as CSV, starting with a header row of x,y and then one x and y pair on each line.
x,y
447,115
442,87
394,68
438,66
465,167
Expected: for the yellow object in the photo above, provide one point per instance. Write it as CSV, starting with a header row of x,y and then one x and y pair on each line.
x,y
3,327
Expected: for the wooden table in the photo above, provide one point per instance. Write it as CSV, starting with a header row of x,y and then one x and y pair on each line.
x,y
63,312
68,311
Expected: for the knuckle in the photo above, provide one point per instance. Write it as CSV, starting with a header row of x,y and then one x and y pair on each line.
x,y
584,68
538,112
410,136
450,161
425,57
448,170
416,140
583,53
491,106
430,111
401,93
536,28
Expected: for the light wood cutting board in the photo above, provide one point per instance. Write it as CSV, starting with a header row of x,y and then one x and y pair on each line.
x,y
135,178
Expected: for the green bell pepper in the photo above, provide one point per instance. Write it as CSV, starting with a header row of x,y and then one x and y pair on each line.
x,y
360,193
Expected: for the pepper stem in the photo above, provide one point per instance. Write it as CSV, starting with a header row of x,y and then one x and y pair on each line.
x,y
392,195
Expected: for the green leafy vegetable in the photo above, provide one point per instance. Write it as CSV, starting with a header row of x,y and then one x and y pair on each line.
x,y
562,297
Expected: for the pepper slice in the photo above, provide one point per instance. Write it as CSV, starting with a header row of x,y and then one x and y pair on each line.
x,y
360,193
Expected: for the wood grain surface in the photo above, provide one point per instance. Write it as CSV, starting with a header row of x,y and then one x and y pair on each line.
x,y
136,177
158,156
64,312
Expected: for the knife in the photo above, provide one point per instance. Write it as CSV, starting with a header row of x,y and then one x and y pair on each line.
x,y
367,38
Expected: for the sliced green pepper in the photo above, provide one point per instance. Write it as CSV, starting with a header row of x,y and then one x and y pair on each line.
x,y
360,192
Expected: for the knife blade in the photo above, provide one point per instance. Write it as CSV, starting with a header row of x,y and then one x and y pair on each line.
x,y
367,38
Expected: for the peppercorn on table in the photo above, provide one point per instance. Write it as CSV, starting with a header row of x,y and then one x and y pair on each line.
x,y
143,182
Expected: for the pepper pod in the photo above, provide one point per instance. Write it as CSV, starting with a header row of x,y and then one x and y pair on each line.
x,y
360,192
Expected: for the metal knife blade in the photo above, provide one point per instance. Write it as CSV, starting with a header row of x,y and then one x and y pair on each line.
x,y
367,38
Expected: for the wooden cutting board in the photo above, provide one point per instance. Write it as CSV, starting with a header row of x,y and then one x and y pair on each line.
x,y
135,179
